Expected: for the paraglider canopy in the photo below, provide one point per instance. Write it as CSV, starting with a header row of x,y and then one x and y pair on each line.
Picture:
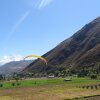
x,y
35,56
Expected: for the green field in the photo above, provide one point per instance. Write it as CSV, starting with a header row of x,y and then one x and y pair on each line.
x,y
49,89
39,82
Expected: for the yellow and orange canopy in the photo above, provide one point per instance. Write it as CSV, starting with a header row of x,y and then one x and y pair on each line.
x,y
39,57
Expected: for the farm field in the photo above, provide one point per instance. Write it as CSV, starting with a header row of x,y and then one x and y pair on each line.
x,y
51,89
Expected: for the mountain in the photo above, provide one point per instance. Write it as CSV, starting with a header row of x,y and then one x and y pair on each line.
x,y
80,51
14,66
9,58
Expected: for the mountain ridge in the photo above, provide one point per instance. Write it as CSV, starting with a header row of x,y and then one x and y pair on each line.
x,y
74,52
13,67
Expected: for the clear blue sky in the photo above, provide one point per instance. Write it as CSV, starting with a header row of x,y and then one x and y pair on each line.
x,y
37,26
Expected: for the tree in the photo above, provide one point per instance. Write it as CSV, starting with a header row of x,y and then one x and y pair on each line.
x,y
1,77
17,79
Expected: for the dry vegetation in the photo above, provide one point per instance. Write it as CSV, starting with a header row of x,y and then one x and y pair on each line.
x,y
47,92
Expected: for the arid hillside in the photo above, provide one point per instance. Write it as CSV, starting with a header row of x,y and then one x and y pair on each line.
x,y
82,50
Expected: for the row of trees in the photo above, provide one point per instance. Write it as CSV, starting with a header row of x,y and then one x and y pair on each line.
x,y
57,72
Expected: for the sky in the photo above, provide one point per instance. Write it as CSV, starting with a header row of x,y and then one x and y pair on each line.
x,y
37,26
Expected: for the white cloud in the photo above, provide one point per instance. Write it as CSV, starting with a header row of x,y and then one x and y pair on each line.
x,y
42,3
7,59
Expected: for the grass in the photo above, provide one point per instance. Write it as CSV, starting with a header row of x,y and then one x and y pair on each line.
x,y
39,82
33,82
48,89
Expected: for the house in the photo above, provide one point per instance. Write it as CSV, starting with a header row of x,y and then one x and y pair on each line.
x,y
51,76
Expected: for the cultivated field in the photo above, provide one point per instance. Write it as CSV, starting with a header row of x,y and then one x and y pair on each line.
x,y
51,89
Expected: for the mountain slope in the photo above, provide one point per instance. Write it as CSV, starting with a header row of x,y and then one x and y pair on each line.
x,y
82,50
14,66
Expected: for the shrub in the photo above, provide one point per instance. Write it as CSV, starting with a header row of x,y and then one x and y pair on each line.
x,y
96,87
83,87
87,87
13,84
91,87
93,76
18,84
1,85
98,84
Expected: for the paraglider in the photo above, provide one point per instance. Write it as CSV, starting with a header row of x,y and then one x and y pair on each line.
x,y
39,57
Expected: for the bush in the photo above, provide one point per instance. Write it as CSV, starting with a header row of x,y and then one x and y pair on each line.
x,y
1,85
93,76
18,84
96,87
13,84
91,87
83,87
98,84
87,87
